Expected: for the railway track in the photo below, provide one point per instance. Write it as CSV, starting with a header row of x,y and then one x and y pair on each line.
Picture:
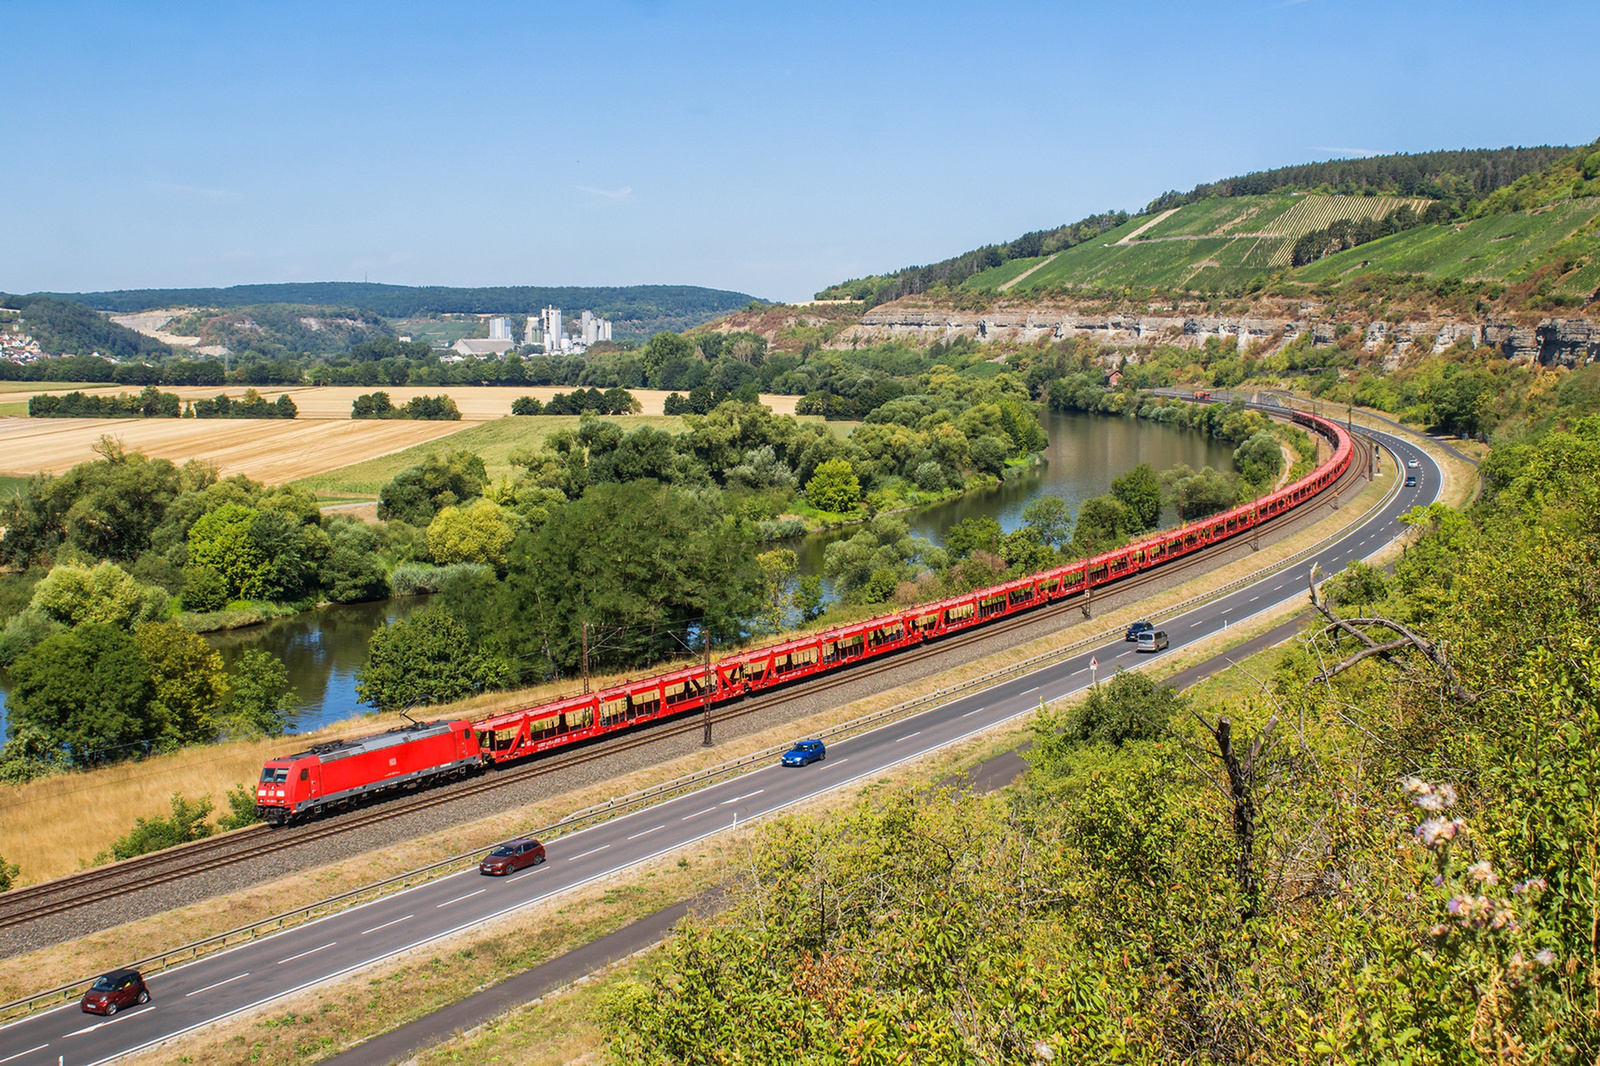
x,y
31,903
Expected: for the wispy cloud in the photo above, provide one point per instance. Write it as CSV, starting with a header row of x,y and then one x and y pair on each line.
x,y
608,194
200,192
1347,151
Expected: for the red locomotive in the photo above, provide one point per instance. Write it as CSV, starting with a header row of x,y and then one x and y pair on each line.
x,y
336,774
333,775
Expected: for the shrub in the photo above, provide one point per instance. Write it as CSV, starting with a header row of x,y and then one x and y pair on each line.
x,y
188,822
204,589
8,874
241,809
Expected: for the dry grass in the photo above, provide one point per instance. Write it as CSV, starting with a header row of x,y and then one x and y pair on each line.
x,y
477,403
265,449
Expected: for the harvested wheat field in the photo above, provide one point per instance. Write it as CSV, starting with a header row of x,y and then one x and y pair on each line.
x,y
478,404
265,449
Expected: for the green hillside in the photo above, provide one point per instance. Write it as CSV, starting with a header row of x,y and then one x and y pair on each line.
x,y
1501,247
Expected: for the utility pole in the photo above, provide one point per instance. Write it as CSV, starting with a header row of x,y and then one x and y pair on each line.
x,y
711,680
586,658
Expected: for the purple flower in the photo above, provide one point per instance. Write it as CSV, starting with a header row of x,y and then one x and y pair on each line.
x,y
1483,873
1545,958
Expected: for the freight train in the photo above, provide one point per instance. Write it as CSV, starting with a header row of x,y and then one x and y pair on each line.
x,y
336,774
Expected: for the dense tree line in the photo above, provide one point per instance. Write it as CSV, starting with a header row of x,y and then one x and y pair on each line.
x,y
379,405
579,402
1390,858
149,403
1459,178
94,368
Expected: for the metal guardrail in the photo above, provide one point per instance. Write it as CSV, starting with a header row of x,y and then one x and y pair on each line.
x,y
646,797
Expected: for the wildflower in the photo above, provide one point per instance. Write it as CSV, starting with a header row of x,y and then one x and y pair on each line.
x,y
1438,880
1440,930
1534,884
1518,968
1545,958
1414,785
1437,831
1483,873
1504,919
1044,1052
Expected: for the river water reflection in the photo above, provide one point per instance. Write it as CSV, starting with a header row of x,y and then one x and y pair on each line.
x,y
323,649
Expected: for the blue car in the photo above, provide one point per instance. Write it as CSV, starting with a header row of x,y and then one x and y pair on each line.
x,y
804,753
1134,630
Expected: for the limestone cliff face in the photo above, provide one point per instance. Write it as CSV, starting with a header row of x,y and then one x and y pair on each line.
x,y
1565,342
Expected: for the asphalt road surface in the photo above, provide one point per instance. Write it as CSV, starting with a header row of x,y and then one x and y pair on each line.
x,y
243,978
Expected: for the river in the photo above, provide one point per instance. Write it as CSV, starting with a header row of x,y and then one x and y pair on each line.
x,y
323,649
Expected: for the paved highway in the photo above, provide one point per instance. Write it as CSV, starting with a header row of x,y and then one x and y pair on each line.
x,y
253,974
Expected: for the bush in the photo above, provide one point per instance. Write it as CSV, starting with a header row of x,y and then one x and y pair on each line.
x,y
780,528
241,809
8,874
188,822
1131,706
260,700
204,589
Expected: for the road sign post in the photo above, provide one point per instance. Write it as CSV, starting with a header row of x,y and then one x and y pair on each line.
x,y
1094,670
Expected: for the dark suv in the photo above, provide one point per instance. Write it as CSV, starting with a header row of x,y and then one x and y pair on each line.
x,y
1137,628
115,990
511,856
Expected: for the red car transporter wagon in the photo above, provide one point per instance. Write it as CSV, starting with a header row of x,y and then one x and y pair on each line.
x,y
335,774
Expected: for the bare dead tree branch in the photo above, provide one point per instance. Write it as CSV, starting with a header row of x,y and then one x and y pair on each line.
x,y
1406,640
1240,792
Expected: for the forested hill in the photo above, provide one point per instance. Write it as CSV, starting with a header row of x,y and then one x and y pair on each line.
x,y
636,309
65,326
1460,181
1462,177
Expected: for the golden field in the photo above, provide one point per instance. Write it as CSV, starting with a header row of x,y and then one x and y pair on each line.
x,y
265,449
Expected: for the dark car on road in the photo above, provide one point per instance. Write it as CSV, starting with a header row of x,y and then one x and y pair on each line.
x,y
804,753
115,990
1137,628
511,856
1411,479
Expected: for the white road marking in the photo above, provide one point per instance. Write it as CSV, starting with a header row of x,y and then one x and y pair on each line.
x,y
1085,670
1196,622
19,1054
645,833
978,710
458,899
219,984
109,1021
1033,689
1125,654
741,799
1275,588
696,814
386,925
591,851
1225,610
1254,599
908,736
303,954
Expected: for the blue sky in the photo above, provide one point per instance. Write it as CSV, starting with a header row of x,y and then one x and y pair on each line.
x,y
765,148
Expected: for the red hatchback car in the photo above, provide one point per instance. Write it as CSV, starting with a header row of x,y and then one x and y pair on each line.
x,y
115,990
512,855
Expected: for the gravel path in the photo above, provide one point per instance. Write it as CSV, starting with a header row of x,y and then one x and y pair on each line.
x,y
83,921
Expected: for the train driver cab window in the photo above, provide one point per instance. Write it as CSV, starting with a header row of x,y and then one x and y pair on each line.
x,y
274,775
305,775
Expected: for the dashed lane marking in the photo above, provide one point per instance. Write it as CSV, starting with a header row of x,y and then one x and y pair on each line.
x,y
313,951
646,832
586,854
375,928
458,899
19,1054
231,980
741,799
908,736
696,814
